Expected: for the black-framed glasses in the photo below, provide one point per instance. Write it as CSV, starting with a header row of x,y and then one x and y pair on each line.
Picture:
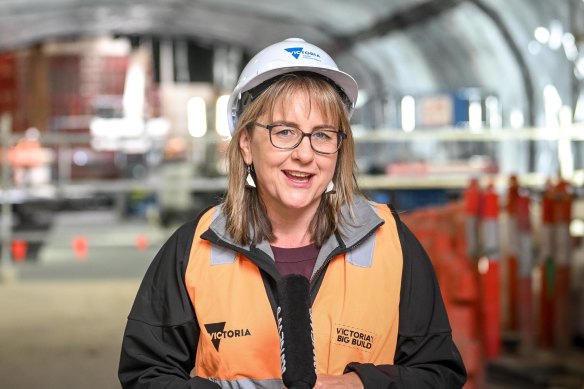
x,y
323,141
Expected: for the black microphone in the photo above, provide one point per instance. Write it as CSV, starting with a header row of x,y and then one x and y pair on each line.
x,y
295,328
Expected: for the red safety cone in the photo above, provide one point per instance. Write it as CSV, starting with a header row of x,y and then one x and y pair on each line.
x,y
19,250
80,248
142,242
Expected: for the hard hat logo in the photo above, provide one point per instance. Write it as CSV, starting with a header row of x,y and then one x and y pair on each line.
x,y
297,51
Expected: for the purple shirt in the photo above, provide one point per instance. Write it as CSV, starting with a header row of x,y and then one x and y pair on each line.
x,y
296,260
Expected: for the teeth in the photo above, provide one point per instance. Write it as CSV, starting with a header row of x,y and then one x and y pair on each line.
x,y
299,175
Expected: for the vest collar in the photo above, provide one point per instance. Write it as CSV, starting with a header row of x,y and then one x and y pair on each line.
x,y
353,228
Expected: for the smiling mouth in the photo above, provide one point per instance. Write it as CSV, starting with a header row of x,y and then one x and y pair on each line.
x,y
298,176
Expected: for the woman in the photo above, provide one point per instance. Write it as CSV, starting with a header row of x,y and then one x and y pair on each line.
x,y
205,314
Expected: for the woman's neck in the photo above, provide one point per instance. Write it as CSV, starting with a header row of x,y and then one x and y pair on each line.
x,y
291,229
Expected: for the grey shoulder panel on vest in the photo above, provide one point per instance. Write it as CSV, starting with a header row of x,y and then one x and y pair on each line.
x,y
362,255
353,229
364,220
220,255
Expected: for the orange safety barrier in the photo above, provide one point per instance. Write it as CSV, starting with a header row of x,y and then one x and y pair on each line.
x,y
442,231
462,239
472,354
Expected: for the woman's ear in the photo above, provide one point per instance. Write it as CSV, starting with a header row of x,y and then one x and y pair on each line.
x,y
245,146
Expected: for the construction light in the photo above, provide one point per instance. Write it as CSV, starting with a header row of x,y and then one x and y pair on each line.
x,y
197,116
552,105
516,118
408,113
475,114
542,35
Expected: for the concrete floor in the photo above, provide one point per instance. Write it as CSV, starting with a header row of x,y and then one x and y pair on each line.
x,y
63,334
62,319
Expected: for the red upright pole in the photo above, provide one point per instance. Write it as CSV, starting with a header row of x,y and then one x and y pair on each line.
x,y
472,201
511,257
524,292
562,324
489,269
547,267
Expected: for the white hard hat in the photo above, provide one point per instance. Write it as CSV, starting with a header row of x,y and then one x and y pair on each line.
x,y
290,55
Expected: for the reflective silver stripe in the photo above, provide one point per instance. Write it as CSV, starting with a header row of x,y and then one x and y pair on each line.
x,y
221,255
362,255
364,219
249,384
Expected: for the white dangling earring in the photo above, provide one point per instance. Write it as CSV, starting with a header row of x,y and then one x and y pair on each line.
x,y
330,188
249,182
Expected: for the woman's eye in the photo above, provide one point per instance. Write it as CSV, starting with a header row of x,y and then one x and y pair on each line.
x,y
284,132
321,135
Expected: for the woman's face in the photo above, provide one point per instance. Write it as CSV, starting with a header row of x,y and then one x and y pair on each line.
x,y
289,179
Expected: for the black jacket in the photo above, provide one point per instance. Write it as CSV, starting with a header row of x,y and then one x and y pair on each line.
x,y
162,332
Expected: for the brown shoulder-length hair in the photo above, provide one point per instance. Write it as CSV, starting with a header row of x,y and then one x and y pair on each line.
x,y
244,209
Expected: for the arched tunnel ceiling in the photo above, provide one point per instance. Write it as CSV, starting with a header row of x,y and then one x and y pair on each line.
x,y
391,47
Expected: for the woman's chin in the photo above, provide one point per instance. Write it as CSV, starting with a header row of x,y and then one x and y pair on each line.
x,y
300,204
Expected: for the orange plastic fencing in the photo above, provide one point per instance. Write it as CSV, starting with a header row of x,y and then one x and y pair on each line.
x,y
442,232
462,240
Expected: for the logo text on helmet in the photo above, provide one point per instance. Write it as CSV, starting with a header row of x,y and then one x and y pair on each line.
x,y
297,51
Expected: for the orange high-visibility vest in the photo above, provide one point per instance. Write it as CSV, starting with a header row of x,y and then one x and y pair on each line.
x,y
355,313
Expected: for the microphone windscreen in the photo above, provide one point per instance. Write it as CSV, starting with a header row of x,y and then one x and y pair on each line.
x,y
296,336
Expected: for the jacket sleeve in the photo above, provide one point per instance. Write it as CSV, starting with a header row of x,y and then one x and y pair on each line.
x,y
161,336
426,356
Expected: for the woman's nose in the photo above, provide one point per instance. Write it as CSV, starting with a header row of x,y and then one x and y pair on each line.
x,y
304,150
